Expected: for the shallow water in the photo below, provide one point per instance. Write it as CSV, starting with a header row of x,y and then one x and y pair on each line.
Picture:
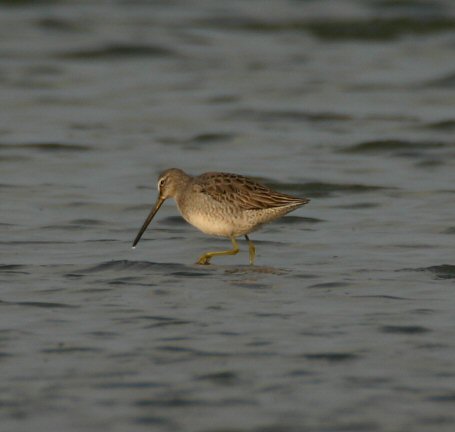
x,y
345,323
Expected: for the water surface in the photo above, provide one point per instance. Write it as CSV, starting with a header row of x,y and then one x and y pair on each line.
x,y
345,323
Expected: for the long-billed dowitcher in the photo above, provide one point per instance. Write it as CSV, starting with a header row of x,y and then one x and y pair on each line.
x,y
221,204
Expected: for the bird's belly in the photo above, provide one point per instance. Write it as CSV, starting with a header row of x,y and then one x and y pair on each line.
x,y
211,224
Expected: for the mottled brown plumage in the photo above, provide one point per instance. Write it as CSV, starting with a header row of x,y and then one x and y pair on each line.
x,y
222,204
245,192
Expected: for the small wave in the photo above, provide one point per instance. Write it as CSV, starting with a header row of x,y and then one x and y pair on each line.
x,y
396,146
203,138
37,304
117,51
363,30
442,125
359,206
446,81
48,146
329,285
387,297
443,271
222,377
171,402
332,357
404,329
172,220
121,265
248,269
300,219
59,24
86,222
69,350
10,267
129,385
443,397
323,189
13,269
289,115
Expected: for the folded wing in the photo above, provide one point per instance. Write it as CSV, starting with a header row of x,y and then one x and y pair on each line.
x,y
244,192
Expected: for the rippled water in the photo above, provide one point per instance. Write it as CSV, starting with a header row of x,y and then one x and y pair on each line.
x,y
346,323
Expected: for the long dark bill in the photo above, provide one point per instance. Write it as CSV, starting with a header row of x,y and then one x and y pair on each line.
x,y
158,204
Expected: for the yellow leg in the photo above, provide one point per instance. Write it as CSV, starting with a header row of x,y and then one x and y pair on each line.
x,y
252,250
205,259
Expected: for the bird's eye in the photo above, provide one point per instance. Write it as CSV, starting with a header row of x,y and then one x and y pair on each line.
x,y
161,183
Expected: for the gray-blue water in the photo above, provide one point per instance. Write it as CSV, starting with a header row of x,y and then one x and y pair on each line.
x,y
347,321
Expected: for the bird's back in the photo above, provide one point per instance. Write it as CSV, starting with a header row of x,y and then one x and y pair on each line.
x,y
243,192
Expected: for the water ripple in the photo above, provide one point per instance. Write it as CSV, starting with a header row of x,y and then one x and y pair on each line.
x,y
332,357
444,271
404,329
37,304
117,51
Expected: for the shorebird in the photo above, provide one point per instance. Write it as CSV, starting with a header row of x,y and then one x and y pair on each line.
x,y
222,204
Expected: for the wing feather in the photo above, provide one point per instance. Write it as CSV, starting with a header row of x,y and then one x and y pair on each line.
x,y
244,192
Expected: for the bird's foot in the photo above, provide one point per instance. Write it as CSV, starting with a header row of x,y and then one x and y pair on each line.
x,y
203,260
